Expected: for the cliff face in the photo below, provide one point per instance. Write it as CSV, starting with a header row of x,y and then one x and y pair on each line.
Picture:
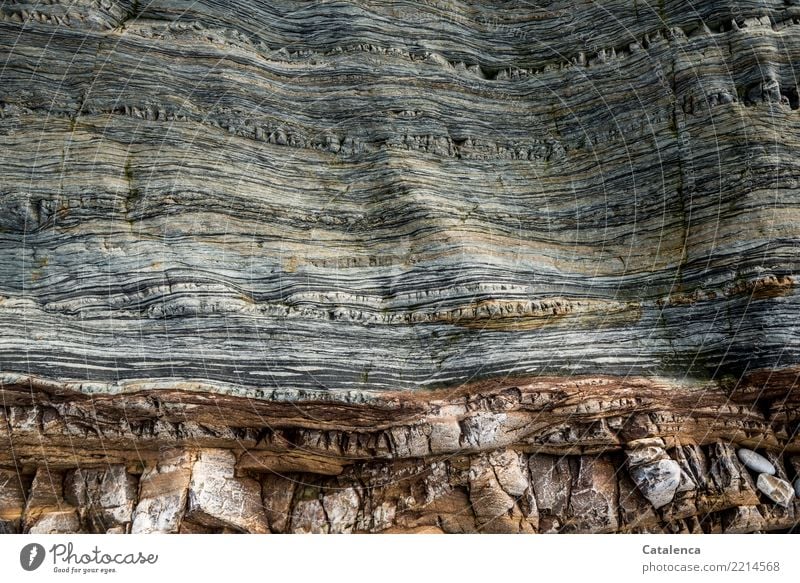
x,y
444,266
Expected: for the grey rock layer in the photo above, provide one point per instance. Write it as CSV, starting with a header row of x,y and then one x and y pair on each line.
x,y
406,197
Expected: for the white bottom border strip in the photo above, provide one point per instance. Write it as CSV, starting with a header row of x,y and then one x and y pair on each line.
x,y
415,558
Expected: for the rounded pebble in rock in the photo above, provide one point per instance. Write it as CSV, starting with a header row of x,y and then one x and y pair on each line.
x,y
778,490
755,461
797,487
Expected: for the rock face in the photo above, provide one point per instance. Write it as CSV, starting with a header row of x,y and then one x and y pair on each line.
x,y
408,266
219,499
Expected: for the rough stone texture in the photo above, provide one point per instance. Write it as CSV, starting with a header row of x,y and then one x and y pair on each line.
x,y
778,490
12,502
105,497
593,497
635,511
500,494
218,499
163,493
56,522
46,511
511,268
658,480
551,480
206,490
742,519
730,477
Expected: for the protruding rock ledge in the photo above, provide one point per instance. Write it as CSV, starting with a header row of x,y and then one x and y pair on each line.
x,y
540,455
558,415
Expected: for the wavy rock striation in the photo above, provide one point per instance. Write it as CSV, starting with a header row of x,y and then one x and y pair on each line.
x,y
398,266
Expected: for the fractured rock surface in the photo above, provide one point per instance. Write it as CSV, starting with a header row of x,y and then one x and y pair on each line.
x,y
504,491
655,474
777,490
219,499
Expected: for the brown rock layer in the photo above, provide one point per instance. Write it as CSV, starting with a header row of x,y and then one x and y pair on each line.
x,y
535,455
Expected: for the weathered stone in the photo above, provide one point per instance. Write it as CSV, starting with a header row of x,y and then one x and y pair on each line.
x,y
755,461
552,482
658,481
277,493
685,503
645,455
636,513
47,491
593,497
436,481
778,516
730,483
687,483
492,505
282,462
12,501
510,472
163,492
46,511
309,517
694,463
105,497
742,519
341,508
218,498
448,511
56,522
445,436
645,442
778,490
797,487
777,461
383,516
794,463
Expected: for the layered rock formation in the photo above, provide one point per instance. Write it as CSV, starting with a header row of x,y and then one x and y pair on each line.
x,y
368,267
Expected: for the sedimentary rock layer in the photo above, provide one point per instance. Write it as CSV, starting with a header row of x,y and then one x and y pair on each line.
x,y
330,239
552,455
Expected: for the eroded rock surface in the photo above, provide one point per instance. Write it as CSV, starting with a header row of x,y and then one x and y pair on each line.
x,y
505,491
777,490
